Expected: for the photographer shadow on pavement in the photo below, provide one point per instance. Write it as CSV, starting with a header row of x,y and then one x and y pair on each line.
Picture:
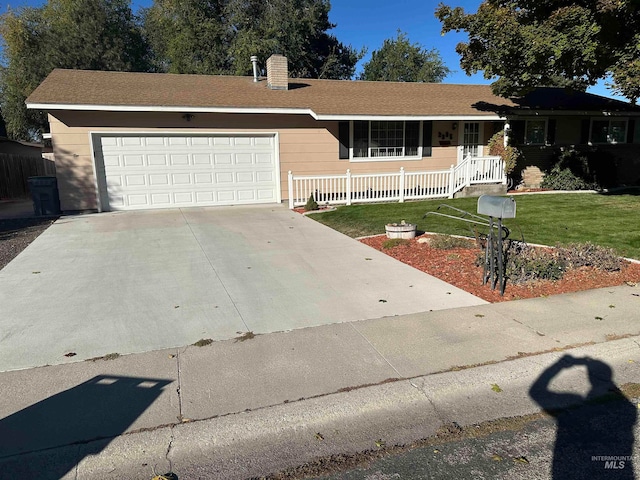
x,y
49,438
594,432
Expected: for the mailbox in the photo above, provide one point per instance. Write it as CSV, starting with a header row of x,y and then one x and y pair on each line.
x,y
499,207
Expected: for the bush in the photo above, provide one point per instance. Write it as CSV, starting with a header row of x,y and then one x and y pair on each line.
x,y
394,242
524,263
311,204
509,154
447,242
573,170
590,255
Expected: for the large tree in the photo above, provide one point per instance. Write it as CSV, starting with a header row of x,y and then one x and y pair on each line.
x,y
401,61
82,34
529,43
188,36
220,36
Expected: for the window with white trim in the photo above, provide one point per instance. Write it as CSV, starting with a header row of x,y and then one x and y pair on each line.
x,y
389,140
535,132
608,130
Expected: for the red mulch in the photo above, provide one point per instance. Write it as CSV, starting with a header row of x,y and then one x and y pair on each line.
x,y
457,267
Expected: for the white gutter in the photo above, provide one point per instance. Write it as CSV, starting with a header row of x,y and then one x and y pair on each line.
x,y
280,111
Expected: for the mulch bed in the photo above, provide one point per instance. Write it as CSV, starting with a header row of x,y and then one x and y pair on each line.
x,y
458,267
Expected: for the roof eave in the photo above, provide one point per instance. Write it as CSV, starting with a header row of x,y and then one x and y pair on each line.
x,y
254,110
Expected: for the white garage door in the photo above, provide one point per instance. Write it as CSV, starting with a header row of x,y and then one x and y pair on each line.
x,y
174,171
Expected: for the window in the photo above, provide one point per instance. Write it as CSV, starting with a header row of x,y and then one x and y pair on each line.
x,y
532,131
608,131
386,139
535,132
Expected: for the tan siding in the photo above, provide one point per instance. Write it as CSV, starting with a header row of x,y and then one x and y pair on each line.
x,y
306,147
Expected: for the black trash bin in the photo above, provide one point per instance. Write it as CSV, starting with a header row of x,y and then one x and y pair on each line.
x,y
44,192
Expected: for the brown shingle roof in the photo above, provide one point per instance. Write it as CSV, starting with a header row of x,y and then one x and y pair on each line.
x,y
324,97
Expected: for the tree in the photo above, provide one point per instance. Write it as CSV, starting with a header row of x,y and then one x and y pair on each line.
x,y
530,43
82,34
294,28
219,36
401,61
188,36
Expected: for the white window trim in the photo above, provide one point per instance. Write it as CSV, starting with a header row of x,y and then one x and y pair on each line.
x,y
609,119
546,129
460,147
369,158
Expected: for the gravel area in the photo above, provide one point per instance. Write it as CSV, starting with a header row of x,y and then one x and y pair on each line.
x,y
16,235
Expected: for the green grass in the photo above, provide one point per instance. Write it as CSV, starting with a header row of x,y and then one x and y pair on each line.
x,y
607,220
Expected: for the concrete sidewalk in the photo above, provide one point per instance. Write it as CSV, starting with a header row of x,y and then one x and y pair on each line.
x,y
251,406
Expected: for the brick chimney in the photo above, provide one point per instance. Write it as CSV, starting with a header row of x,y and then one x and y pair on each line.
x,y
277,72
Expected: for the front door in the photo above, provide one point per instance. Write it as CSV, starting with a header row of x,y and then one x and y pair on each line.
x,y
470,144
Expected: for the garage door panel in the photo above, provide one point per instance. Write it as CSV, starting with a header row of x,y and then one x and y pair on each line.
x,y
135,180
201,159
243,159
203,178
222,159
264,159
176,159
177,141
165,171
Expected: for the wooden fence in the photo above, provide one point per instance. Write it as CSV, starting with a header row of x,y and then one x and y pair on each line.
x,y
16,169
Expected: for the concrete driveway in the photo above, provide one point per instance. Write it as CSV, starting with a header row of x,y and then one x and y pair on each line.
x,y
130,282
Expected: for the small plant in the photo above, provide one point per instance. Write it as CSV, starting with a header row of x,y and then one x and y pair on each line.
x,y
447,242
525,263
394,242
590,255
311,204
203,342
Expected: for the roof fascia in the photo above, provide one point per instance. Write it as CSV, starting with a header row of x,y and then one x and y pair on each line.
x,y
281,111
590,113
144,108
411,117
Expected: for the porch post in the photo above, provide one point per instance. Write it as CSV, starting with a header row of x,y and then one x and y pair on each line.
x,y
290,185
507,129
451,180
348,186
401,184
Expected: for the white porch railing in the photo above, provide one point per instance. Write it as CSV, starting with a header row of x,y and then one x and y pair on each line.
x,y
380,187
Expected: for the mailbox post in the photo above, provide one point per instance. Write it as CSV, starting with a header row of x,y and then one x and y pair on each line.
x,y
495,207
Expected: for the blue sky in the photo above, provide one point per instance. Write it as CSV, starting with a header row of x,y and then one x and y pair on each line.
x,y
367,23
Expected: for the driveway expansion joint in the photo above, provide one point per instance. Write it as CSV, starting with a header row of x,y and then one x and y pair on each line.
x,y
352,324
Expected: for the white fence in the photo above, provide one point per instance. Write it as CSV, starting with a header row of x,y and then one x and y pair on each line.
x,y
380,187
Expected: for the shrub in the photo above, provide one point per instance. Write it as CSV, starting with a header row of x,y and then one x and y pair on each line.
x,y
524,263
447,242
394,242
509,154
590,255
311,204
572,170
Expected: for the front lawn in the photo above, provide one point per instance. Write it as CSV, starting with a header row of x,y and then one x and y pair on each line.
x,y
608,220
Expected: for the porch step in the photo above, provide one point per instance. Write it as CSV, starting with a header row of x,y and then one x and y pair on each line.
x,y
483,189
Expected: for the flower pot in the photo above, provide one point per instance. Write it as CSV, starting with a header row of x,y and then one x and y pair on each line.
x,y
400,230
